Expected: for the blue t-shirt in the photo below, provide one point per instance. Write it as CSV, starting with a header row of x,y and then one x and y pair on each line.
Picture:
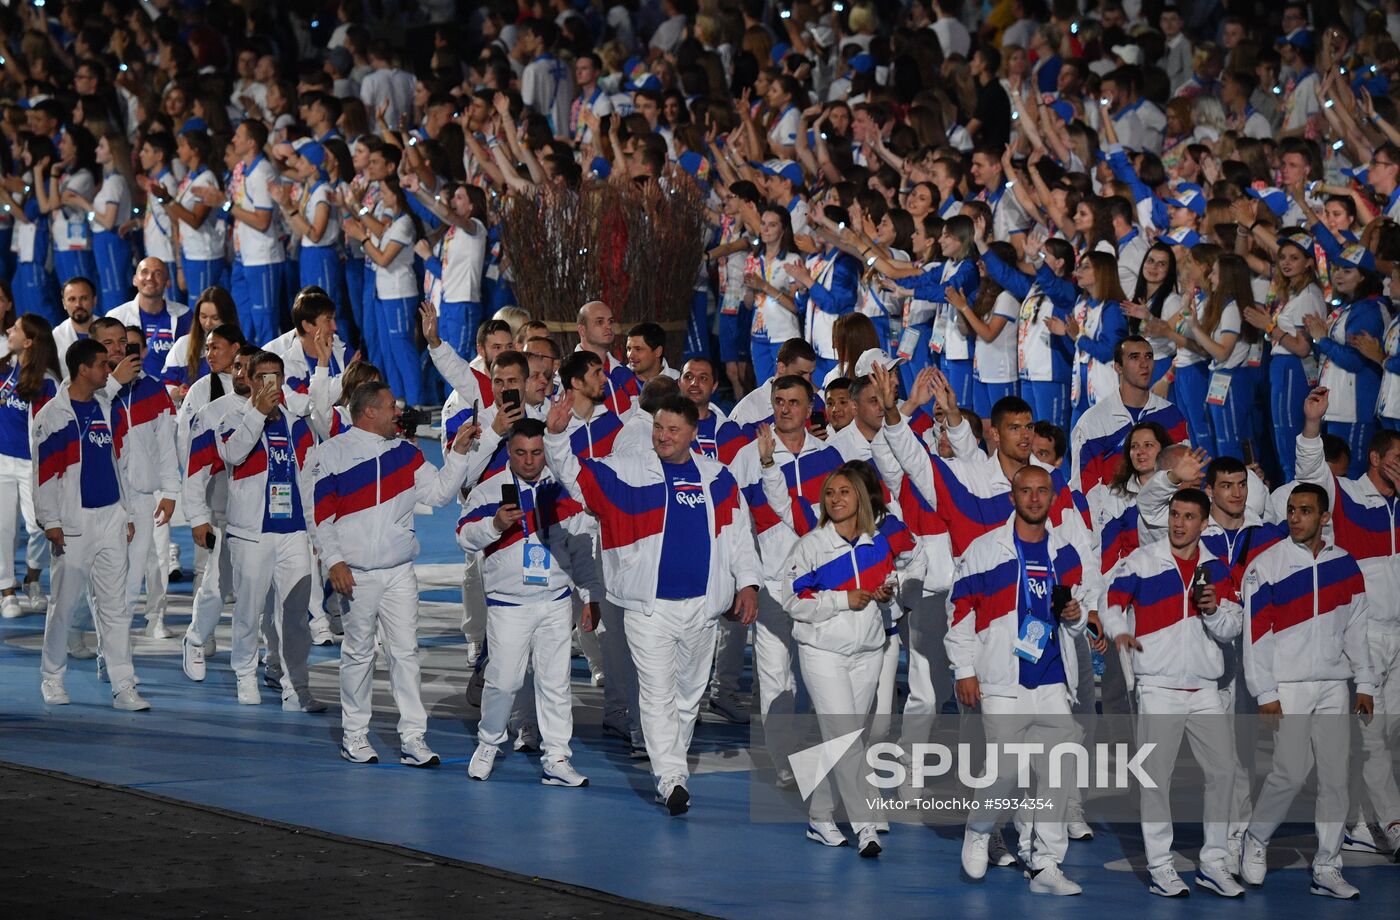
x,y
1035,589
15,412
161,332
99,477
705,442
685,544
281,471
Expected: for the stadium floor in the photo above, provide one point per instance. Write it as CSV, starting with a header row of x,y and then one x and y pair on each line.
x,y
197,745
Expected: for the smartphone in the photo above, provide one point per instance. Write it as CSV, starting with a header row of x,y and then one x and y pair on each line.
x,y
210,540
1247,448
133,349
510,495
510,400
1093,631
476,411
818,418
269,379
1059,599
1199,582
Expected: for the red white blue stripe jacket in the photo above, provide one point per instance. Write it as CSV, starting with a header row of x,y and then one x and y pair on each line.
x,y
1096,444
785,499
984,605
57,472
1366,524
1181,646
143,422
628,495
245,447
1305,619
823,567
366,489
549,510
205,492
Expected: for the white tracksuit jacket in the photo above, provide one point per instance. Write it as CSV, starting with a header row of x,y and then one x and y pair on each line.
x,y
245,450
58,470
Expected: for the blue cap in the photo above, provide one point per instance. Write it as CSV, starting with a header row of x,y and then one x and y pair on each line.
x,y
785,169
1356,256
780,51
600,167
644,81
1064,110
1359,173
1299,239
1190,197
1377,84
313,153
863,63
1181,236
695,164
1298,38
1273,197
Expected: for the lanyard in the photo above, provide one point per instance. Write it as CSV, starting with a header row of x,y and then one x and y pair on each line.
x,y
534,508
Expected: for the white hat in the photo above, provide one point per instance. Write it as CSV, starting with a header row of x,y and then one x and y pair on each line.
x,y
1131,54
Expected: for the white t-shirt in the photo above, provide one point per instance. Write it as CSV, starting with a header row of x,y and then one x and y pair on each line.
x,y
770,317
953,36
1290,317
995,361
257,247
785,128
206,242
395,280
548,88
1230,321
156,228
463,256
320,194
69,225
114,190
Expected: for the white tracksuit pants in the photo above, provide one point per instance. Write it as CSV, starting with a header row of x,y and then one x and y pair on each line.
x,y
730,638
16,504
99,555
621,689
672,644
538,635
1299,743
473,600
384,601
272,571
1164,715
1036,716
1380,739
208,603
145,560
774,654
842,688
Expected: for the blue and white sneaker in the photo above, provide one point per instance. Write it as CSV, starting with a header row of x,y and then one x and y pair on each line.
x,y
1359,839
355,747
1329,884
1215,877
414,752
826,833
1166,883
556,771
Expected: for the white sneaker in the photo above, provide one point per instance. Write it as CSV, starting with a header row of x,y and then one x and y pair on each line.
x,y
77,648
128,700
1329,884
155,627
248,693
1253,864
868,841
826,833
1360,839
1215,877
10,608
355,747
1392,839
674,795
321,632
473,652
483,759
556,771
414,752
35,599
192,660
1166,883
1235,848
527,740
1075,825
974,853
53,692
1051,880
997,853
301,701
